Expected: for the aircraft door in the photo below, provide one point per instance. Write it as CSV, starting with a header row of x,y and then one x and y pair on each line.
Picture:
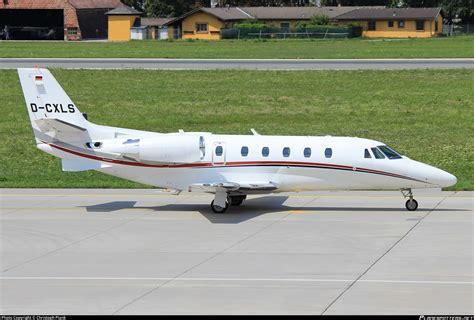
x,y
218,154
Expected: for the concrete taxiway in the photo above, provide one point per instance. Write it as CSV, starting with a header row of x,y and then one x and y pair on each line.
x,y
243,64
150,252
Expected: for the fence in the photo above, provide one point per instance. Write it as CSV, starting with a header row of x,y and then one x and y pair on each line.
x,y
457,29
276,33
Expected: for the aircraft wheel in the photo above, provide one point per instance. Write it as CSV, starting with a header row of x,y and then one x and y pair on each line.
x,y
219,209
411,205
237,200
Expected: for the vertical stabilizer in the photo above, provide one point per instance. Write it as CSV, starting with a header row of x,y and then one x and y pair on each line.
x,y
50,109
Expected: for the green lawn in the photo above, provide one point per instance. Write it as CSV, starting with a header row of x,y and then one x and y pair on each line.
x,y
452,47
425,114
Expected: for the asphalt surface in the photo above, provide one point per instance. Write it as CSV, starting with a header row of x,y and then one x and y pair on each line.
x,y
249,64
146,252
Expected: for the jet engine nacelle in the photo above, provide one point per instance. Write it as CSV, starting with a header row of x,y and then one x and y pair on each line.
x,y
172,149
161,149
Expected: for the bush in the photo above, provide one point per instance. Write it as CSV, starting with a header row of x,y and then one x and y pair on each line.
x,y
250,24
317,20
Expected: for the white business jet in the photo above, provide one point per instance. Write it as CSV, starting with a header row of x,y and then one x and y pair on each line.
x,y
228,166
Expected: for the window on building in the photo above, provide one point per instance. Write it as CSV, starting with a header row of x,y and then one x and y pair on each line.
x,y
328,153
371,25
377,153
244,151
307,152
219,151
265,151
401,23
390,23
285,25
367,154
420,25
201,27
72,31
286,152
436,26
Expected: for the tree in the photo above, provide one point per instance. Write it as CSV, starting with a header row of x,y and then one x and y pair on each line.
x,y
387,3
171,8
135,4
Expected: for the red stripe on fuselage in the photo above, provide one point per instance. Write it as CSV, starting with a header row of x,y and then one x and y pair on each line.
x,y
236,164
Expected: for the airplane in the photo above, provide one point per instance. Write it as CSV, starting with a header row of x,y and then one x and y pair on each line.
x,y
228,166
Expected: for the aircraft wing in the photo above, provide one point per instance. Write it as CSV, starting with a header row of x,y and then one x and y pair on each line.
x,y
233,186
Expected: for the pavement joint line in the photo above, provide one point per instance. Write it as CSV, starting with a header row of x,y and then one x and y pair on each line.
x,y
78,241
383,255
201,263
14,210
236,279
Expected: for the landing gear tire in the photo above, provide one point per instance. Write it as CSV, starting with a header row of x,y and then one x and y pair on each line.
x,y
411,205
237,200
219,209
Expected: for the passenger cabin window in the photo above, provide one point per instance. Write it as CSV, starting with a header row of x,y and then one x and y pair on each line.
x,y
244,151
377,153
307,152
389,152
265,151
219,151
367,154
286,152
328,152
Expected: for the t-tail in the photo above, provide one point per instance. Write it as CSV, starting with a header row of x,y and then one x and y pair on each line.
x,y
58,126
53,115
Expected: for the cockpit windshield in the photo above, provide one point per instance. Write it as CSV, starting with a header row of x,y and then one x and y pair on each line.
x,y
389,152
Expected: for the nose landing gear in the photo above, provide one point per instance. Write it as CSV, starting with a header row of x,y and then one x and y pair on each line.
x,y
411,203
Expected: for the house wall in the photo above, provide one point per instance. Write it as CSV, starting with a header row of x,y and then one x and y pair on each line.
x,y
409,31
119,27
214,26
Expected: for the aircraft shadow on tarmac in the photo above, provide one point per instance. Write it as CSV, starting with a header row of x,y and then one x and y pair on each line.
x,y
250,209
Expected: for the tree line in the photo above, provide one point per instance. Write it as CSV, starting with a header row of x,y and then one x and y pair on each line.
x,y
453,9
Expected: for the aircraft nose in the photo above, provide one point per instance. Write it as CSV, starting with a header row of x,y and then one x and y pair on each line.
x,y
445,179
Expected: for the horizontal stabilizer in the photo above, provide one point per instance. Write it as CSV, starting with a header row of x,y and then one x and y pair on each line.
x,y
58,125
82,165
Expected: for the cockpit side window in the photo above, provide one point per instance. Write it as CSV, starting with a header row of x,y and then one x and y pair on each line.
x,y
367,154
389,152
377,153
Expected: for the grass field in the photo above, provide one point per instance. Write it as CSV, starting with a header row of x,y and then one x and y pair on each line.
x,y
452,47
425,114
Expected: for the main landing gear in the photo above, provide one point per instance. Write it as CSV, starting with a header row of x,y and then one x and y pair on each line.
x,y
411,203
222,200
